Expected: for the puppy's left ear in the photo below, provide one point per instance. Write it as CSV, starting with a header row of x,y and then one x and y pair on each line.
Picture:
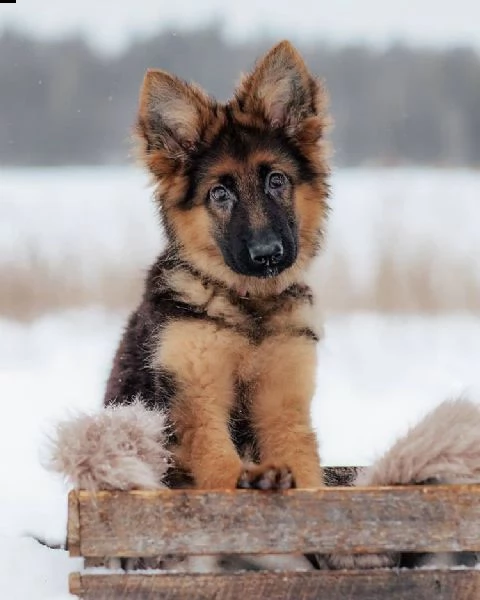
x,y
282,90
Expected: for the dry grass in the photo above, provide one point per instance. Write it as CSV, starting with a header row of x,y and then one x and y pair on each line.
x,y
34,288
425,285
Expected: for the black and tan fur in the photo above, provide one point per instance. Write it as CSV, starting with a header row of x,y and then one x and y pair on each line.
x,y
224,339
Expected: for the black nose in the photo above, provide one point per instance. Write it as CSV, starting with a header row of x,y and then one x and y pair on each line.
x,y
266,249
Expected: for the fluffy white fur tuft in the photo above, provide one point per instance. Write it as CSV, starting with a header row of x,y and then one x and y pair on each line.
x,y
119,448
443,448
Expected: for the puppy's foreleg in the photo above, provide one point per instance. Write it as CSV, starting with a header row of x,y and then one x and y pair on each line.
x,y
281,408
203,359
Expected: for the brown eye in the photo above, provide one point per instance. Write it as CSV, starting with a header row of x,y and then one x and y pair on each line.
x,y
219,194
276,180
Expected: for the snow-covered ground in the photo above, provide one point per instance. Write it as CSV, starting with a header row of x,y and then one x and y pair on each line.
x,y
377,374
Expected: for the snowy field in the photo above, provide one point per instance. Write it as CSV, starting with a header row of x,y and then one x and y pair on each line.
x,y
403,239
106,212
377,373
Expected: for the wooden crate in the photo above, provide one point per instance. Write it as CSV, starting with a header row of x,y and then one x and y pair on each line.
x,y
328,520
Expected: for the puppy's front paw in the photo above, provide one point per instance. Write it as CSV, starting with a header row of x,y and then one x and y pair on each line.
x,y
266,477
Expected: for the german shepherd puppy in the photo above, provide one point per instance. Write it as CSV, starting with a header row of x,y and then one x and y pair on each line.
x,y
224,340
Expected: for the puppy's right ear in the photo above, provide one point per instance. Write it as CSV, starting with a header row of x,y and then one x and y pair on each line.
x,y
171,117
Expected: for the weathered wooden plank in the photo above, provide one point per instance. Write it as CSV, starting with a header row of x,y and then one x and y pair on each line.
x,y
341,520
73,526
341,585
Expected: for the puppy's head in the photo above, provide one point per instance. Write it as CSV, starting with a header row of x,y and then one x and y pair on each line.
x,y
241,186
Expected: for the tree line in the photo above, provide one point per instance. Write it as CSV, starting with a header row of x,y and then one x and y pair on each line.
x,y
63,102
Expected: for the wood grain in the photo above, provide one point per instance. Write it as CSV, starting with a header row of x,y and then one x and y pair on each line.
x,y
346,585
340,520
73,525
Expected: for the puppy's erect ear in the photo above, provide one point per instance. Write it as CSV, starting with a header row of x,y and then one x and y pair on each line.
x,y
282,89
171,116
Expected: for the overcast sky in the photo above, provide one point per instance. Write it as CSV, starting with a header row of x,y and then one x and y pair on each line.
x,y
111,23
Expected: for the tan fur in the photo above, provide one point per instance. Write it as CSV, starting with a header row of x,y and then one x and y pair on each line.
x,y
311,216
204,359
285,380
189,289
